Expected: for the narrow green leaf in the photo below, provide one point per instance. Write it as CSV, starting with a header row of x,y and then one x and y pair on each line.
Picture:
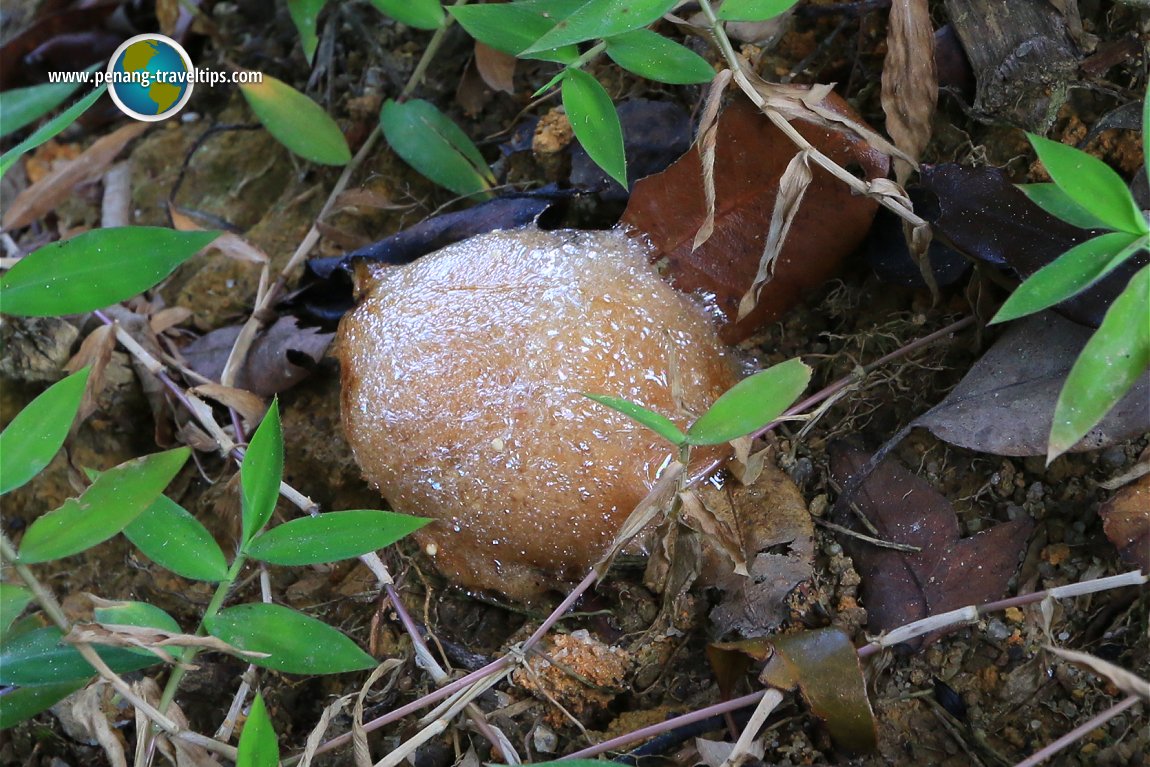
x,y
25,702
753,10
22,106
1110,363
430,142
1146,130
512,27
50,129
1069,274
136,614
297,122
595,122
304,14
117,497
261,472
602,18
40,657
653,56
258,745
331,537
751,404
171,537
421,14
296,643
1056,202
13,600
656,422
35,435
95,269
1091,183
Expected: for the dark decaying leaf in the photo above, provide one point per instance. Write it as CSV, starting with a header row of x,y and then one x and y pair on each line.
x,y
947,572
751,155
1126,521
281,356
1005,404
892,262
980,213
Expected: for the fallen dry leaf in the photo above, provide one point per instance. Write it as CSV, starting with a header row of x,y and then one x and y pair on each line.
x,y
946,573
909,80
495,67
280,357
95,351
1126,681
1126,522
751,156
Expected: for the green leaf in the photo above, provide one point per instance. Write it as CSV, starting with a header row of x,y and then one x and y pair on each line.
x,y
95,269
753,10
595,122
117,497
1056,202
1091,183
421,14
1069,274
1108,366
653,56
304,14
50,129
35,435
331,537
602,18
22,106
656,422
175,540
258,745
1146,130
296,643
513,27
13,600
25,702
39,657
136,614
751,404
297,122
431,143
261,472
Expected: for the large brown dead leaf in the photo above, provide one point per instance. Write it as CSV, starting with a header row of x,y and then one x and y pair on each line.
x,y
1126,521
281,356
751,156
947,572
909,80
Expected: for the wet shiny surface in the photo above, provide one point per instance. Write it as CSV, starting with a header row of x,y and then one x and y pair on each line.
x,y
462,375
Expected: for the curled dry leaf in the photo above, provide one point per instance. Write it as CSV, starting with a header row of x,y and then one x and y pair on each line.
x,y
248,405
84,716
751,156
1126,522
909,80
1124,680
495,67
137,326
95,351
177,750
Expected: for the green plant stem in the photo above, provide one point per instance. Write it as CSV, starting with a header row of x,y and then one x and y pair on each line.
x,y
428,54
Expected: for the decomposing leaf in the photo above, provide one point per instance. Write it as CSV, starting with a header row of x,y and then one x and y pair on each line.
x,y
281,356
909,80
1126,521
776,537
1126,681
751,156
1005,403
250,407
495,67
95,352
84,718
947,572
980,213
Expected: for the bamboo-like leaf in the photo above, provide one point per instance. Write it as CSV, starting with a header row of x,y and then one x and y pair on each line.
x,y
297,122
421,14
753,10
656,422
431,143
261,473
22,106
35,435
39,657
25,702
117,497
304,14
1091,183
331,537
751,404
171,537
294,642
602,18
653,56
50,129
136,614
1052,199
512,27
13,600
1112,360
1071,273
258,745
95,269
595,122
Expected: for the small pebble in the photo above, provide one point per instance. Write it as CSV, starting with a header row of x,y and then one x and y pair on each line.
x,y
997,630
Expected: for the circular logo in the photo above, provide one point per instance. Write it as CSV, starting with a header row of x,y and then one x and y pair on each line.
x,y
150,77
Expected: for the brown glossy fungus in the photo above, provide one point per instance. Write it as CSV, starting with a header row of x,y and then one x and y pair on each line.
x,y
462,375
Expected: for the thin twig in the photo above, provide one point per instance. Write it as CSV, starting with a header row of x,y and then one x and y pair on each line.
x,y
1081,731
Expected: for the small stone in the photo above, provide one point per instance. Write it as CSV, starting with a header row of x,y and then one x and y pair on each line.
x,y
546,741
997,630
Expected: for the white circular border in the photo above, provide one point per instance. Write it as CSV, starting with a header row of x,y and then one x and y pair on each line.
x,y
172,111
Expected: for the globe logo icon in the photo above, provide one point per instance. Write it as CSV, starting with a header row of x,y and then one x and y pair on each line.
x,y
150,77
